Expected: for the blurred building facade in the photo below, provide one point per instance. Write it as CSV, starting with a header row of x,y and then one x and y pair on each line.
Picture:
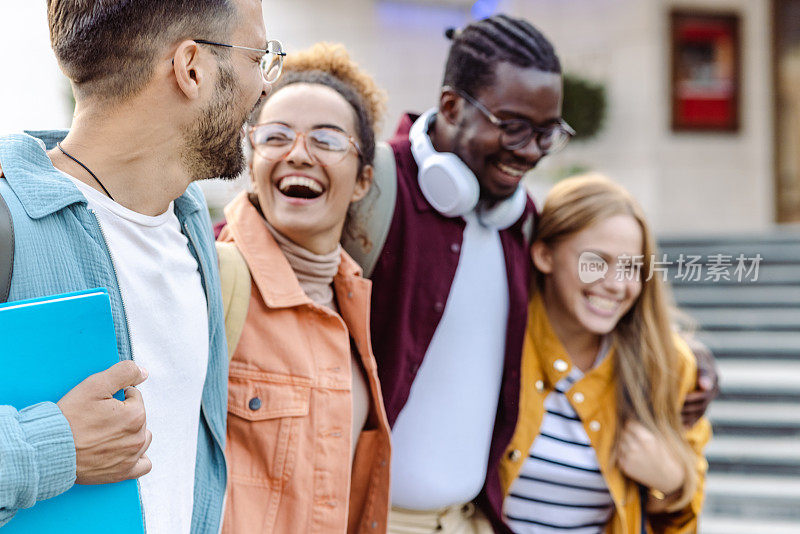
x,y
687,181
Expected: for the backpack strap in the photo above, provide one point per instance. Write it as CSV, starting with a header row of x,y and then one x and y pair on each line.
x,y
235,281
6,248
375,211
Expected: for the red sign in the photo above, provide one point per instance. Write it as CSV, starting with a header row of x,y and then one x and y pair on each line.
x,y
705,71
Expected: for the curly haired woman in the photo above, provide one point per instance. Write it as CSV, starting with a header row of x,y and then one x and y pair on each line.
x,y
308,440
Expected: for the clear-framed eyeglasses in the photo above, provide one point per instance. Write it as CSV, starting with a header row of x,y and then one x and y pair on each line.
x,y
271,60
326,146
517,133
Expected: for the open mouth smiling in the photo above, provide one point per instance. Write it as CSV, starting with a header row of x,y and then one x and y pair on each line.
x,y
513,171
300,187
603,305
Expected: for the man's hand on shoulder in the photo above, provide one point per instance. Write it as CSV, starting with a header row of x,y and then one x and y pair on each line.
x,y
110,436
707,388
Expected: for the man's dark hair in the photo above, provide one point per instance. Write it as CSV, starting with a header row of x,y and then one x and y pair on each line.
x,y
109,47
478,48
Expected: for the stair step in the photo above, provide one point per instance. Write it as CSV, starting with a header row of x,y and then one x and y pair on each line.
x,y
736,296
776,498
785,234
758,414
766,487
763,319
742,525
768,274
753,344
754,455
788,248
768,377
755,449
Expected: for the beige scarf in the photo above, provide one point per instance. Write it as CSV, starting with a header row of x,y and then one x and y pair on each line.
x,y
315,272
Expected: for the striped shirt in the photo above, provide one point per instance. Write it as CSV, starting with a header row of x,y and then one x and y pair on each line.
x,y
560,487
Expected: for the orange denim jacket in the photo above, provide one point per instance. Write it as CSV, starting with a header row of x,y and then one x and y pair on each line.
x,y
289,401
598,413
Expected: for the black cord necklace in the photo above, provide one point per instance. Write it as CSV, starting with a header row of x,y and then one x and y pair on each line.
x,y
73,158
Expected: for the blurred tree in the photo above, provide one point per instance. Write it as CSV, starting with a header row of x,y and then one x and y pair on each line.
x,y
584,105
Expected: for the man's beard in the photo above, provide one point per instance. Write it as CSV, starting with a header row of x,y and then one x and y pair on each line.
x,y
213,144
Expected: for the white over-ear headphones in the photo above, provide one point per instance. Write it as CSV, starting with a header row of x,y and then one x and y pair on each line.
x,y
451,187
446,181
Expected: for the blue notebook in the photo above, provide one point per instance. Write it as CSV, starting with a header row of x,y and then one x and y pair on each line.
x,y
49,346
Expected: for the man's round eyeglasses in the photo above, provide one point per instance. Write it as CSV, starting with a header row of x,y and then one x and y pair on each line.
x,y
326,146
517,133
271,59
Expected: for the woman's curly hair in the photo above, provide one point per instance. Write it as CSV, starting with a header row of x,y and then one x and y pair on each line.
x,y
334,59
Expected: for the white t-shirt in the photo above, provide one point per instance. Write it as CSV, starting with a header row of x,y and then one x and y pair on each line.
x,y
442,436
167,316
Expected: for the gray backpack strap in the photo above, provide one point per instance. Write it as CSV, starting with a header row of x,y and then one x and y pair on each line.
x,y
6,249
373,214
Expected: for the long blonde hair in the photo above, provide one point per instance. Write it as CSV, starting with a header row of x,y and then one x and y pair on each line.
x,y
647,364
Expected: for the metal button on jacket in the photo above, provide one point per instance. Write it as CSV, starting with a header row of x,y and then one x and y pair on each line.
x,y
254,404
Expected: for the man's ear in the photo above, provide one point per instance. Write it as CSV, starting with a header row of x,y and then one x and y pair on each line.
x,y
363,183
450,106
542,257
186,65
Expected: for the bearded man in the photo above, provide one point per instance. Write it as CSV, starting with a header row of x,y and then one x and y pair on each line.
x,y
162,90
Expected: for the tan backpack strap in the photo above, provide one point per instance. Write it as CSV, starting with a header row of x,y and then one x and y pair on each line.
x,y
235,281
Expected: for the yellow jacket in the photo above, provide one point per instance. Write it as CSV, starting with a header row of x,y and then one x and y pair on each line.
x,y
596,407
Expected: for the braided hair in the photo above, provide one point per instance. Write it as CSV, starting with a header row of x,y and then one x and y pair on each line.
x,y
478,48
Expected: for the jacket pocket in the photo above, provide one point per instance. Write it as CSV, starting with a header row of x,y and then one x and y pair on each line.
x,y
265,419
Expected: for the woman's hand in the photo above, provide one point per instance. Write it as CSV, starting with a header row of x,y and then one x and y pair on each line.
x,y
648,461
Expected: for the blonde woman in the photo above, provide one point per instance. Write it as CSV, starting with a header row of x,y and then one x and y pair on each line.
x,y
308,440
604,376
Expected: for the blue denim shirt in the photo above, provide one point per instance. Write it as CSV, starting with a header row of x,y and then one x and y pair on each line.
x,y
60,248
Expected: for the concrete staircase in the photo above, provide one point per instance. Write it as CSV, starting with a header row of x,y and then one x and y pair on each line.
x,y
753,327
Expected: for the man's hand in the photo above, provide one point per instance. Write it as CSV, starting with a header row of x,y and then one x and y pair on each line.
x,y
110,436
697,401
